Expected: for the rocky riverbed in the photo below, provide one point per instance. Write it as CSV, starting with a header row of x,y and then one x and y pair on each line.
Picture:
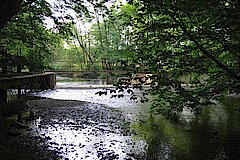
x,y
14,144
68,129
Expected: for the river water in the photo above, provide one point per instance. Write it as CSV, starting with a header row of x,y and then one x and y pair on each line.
x,y
126,131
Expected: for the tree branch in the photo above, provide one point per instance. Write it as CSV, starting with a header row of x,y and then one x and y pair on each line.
x,y
200,47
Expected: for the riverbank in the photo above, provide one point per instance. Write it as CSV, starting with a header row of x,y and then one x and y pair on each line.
x,y
19,146
67,129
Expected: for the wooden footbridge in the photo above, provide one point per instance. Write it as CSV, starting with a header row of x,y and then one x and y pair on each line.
x,y
19,82
93,74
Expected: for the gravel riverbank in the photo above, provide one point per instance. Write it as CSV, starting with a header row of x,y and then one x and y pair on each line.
x,y
19,146
68,129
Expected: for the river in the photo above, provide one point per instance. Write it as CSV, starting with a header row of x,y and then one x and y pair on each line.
x,y
122,129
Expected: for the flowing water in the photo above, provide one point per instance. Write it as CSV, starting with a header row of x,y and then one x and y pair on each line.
x,y
118,128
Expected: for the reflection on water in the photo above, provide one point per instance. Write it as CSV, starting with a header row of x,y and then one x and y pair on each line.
x,y
24,117
212,135
165,140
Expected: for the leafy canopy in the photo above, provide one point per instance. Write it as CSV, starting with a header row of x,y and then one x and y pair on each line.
x,y
191,46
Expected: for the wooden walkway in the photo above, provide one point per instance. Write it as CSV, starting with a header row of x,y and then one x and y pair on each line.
x,y
40,81
44,80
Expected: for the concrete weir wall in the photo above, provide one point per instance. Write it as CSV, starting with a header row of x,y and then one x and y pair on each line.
x,y
40,82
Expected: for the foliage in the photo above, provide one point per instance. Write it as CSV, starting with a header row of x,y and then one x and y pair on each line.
x,y
178,39
110,40
105,44
27,36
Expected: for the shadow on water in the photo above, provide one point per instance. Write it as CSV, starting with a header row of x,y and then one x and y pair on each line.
x,y
165,140
216,132
233,127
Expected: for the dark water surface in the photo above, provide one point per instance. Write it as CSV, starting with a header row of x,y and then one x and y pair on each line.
x,y
123,129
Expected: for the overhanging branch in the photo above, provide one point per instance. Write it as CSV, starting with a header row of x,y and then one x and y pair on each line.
x,y
232,74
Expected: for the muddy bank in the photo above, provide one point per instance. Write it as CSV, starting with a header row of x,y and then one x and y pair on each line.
x,y
84,130
19,146
68,129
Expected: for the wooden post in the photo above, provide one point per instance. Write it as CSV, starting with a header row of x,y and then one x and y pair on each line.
x,y
52,80
107,77
3,96
19,92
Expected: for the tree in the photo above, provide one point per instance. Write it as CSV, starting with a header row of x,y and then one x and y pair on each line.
x,y
179,39
110,38
26,35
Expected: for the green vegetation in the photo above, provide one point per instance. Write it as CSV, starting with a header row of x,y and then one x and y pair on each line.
x,y
103,46
26,36
191,47
175,39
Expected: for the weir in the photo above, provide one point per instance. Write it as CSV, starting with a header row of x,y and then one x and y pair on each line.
x,y
42,81
89,74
